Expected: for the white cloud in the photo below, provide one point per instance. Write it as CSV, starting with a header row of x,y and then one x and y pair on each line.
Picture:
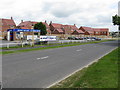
x,y
94,13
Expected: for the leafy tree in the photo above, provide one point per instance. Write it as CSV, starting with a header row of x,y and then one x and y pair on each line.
x,y
42,27
116,20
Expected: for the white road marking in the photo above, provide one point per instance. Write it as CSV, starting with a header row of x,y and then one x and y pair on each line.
x,y
38,58
78,50
42,57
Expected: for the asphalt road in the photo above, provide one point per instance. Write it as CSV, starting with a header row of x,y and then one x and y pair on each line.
x,y
39,69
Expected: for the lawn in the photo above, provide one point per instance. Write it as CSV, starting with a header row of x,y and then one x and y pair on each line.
x,y
101,74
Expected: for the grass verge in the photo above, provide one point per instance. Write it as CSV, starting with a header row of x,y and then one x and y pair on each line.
x,y
51,47
101,74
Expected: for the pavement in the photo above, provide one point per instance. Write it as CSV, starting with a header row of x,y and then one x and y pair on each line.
x,y
40,69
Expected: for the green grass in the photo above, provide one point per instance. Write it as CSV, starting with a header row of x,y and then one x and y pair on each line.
x,y
102,74
58,45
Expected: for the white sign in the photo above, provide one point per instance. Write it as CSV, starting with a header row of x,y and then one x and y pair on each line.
x,y
48,38
29,37
8,36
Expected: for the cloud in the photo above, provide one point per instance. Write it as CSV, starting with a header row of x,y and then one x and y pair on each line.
x,y
94,13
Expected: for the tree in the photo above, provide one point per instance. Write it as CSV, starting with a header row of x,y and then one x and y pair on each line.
x,y
116,20
42,27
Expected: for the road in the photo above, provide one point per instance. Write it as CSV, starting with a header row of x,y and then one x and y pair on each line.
x,y
39,69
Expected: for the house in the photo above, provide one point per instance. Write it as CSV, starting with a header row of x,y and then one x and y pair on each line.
x,y
6,24
56,28
87,30
30,25
95,31
78,32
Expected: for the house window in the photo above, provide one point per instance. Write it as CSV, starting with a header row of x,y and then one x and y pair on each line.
x,y
96,32
11,26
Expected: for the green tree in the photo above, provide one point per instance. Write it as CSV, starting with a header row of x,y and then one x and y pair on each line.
x,y
42,27
116,20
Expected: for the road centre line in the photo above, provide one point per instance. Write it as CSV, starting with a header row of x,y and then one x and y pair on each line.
x,y
78,50
42,57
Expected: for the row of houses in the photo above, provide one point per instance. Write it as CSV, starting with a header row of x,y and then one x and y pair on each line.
x,y
52,28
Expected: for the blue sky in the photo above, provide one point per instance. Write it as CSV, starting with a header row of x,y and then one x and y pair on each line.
x,y
92,13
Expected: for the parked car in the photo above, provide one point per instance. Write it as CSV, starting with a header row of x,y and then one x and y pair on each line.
x,y
76,38
81,38
97,39
70,38
88,38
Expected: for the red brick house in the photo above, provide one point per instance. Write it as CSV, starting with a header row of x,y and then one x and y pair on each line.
x,y
78,32
30,25
6,24
56,28
95,31
87,30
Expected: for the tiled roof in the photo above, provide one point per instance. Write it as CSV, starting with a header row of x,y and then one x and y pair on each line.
x,y
73,27
25,28
87,28
59,30
8,22
31,23
101,29
56,25
27,23
79,31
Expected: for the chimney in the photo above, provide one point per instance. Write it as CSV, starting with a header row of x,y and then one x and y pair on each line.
x,y
11,18
74,24
50,22
45,21
21,21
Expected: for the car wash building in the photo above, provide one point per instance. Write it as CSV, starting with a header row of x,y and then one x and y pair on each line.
x,y
25,34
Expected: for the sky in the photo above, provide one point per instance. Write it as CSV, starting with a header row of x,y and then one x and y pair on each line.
x,y
91,13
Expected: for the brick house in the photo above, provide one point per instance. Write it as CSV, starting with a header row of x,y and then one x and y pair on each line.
x,y
6,24
87,30
30,25
78,32
56,28
101,31
95,31
69,29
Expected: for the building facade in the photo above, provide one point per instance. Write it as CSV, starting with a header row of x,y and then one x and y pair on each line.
x,y
95,31
6,24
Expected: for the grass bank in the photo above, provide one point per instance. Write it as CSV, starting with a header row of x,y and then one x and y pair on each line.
x,y
50,46
101,74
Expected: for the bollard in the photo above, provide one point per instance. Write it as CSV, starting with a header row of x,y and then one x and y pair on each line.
x,y
7,45
22,44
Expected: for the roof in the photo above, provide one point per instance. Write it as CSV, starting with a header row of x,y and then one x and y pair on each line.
x,y
24,27
25,23
88,29
101,29
8,22
73,27
31,23
56,25
79,31
59,30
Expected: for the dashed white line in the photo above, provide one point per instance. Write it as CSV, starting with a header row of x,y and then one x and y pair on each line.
x,y
78,50
42,57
